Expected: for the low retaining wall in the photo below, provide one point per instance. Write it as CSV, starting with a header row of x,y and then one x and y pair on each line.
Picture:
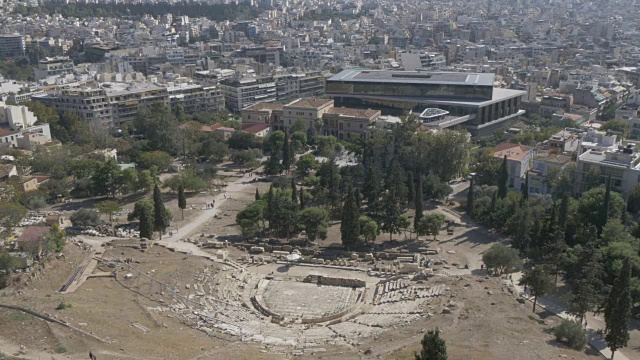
x,y
334,281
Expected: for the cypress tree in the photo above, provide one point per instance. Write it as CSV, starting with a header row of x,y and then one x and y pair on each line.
x,y
349,227
372,188
563,211
419,205
411,189
503,179
604,212
470,196
286,152
433,347
182,200
618,310
146,222
302,199
160,218
257,194
525,191
358,198
552,220
294,192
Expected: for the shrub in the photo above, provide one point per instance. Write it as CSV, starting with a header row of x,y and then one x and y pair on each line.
x,y
85,217
573,332
60,349
63,306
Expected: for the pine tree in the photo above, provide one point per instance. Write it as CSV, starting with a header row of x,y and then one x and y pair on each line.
x,y
257,195
161,218
294,192
587,285
503,179
411,189
286,152
538,281
419,205
182,200
433,347
604,211
349,226
618,310
358,198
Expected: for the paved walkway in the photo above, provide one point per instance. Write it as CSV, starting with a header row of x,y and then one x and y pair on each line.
x,y
595,339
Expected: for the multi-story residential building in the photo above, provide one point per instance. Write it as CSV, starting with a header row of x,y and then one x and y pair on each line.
x,y
52,66
347,123
564,141
240,93
12,45
127,100
622,164
196,98
295,86
598,141
16,116
543,164
518,162
470,98
91,104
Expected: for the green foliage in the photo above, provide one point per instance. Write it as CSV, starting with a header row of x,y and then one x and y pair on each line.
x,y
306,163
251,219
106,178
573,332
143,211
281,211
349,227
314,220
7,262
15,70
431,224
502,259
433,347
458,149
326,145
215,12
633,202
503,178
538,281
159,127
63,306
618,310
591,203
189,179
11,214
161,215
246,157
182,199
419,203
160,159
109,207
368,229
615,125
434,188
241,140
85,217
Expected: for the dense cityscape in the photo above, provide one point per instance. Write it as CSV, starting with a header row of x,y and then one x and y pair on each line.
x,y
325,179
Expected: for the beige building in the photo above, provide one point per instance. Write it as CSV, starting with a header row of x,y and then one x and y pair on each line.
x,y
347,123
30,140
307,110
262,113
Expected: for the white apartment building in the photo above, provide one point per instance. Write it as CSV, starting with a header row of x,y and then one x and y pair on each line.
x,y
622,164
16,117
238,94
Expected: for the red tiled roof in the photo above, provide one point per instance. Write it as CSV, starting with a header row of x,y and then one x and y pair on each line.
x,y
5,132
265,106
310,103
34,233
353,112
254,128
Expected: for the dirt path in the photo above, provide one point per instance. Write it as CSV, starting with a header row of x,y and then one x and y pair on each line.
x,y
234,187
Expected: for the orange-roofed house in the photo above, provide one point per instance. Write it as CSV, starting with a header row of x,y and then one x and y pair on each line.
x,y
519,159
